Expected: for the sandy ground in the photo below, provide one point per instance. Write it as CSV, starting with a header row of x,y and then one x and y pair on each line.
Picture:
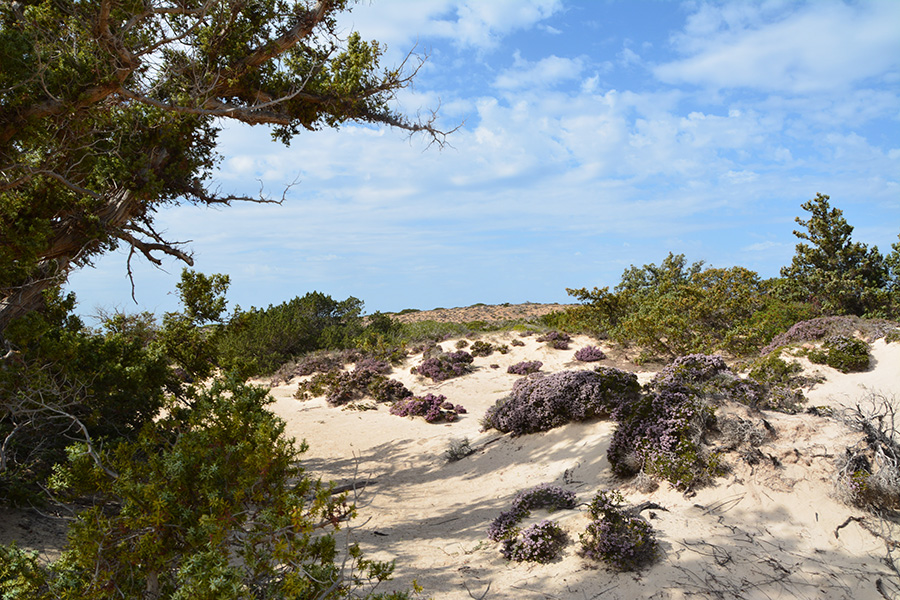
x,y
769,530
765,530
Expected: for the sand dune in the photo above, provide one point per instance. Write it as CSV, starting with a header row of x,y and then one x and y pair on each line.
x,y
766,530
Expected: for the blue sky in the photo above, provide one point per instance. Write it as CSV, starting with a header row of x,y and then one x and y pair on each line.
x,y
595,135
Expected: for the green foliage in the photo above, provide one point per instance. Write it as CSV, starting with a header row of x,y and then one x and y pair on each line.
x,y
109,113
210,502
432,331
674,309
779,383
203,297
833,273
259,341
844,353
458,449
67,383
21,576
480,348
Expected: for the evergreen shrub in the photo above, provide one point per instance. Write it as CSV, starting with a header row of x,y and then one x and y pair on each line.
x,y
480,348
844,353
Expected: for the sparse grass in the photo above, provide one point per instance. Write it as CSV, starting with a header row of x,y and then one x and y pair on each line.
x,y
458,449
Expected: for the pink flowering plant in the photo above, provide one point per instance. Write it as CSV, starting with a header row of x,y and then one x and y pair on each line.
x,y
623,541
525,367
542,542
557,340
542,402
435,409
589,354
445,366
662,433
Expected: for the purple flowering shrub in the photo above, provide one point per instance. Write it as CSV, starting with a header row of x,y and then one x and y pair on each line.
x,y
821,327
844,353
556,339
343,387
435,409
662,433
545,496
373,365
525,367
623,541
589,354
445,366
542,402
542,543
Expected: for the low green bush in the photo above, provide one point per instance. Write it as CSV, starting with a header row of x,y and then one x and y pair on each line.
x,y
171,511
844,353
259,341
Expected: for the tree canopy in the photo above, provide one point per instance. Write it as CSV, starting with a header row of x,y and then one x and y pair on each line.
x,y
110,110
832,272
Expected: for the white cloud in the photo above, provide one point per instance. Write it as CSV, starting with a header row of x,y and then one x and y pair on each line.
x,y
541,74
821,46
467,23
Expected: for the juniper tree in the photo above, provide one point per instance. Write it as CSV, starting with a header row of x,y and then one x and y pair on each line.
x,y
836,274
110,110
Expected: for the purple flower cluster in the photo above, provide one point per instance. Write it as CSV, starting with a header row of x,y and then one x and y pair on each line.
x,y
545,496
342,387
816,329
589,354
661,434
543,542
445,366
525,367
556,339
623,541
373,365
542,402
434,408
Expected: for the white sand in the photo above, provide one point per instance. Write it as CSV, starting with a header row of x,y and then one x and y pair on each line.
x,y
768,530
